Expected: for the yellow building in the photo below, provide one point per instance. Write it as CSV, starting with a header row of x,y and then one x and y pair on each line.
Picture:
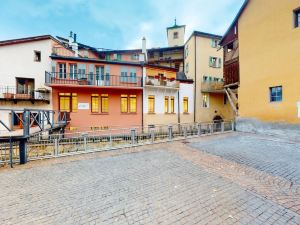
x,y
268,34
203,64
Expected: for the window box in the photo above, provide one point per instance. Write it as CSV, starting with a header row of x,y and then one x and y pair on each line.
x,y
82,81
8,95
22,96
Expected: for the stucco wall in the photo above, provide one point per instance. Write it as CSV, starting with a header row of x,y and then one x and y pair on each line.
x,y
18,61
84,119
160,117
269,56
199,52
186,90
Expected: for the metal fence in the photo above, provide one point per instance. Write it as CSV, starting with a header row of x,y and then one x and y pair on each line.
x,y
9,153
56,145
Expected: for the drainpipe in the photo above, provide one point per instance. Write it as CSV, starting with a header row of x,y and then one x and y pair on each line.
x,y
195,87
178,100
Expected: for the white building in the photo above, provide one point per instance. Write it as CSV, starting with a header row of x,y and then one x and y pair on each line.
x,y
22,71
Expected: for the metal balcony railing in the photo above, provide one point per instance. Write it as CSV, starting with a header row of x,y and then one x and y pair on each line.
x,y
170,83
61,78
13,93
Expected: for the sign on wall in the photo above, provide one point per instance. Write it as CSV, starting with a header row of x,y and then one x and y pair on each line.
x,y
298,105
83,106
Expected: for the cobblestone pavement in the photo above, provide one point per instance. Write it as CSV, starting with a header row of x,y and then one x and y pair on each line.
x,y
172,183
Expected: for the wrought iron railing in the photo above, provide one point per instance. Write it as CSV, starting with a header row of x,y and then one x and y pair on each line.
x,y
61,78
13,93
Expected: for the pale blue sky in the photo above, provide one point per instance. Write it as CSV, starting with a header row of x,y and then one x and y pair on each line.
x,y
114,24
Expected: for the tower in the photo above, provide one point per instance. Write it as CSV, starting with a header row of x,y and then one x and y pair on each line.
x,y
175,35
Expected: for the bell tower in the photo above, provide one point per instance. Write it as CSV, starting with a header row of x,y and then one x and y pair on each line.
x,y
175,35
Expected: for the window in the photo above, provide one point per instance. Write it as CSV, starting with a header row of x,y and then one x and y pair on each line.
x,y
68,102
186,51
151,104
151,55
133,75
276,94
187,67
175,35
62,71
161,54
297,18
73,71
37,56
214,43
25,86
104,103
166,104
107,56
205,101
215,62
172,105
185,104
81,71
205,78
124,103
124,74
119,57
95,103
132,103
74,102
135,56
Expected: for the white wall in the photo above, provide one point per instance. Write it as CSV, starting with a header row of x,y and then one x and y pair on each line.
x,y
186,90
18,61
160,94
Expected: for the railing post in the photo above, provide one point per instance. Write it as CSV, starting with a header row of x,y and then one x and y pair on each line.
x,y
23,151
43,120
133,133
152,135
56,146
211,128
199,129
52,120
170,131
85,143
26,123
110,140
185,132
222,127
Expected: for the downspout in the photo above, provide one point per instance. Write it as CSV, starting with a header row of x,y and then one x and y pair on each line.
x,y
142,83
178,99
195,87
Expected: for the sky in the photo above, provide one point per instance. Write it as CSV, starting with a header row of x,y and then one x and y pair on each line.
x,y
114,24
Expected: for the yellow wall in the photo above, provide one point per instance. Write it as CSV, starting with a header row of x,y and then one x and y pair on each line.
x,y
269,56
160,119
202,54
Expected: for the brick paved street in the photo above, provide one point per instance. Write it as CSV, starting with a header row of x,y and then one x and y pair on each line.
x,y
224,179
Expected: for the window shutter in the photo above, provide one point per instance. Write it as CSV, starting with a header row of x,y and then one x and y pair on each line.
x,y
220,62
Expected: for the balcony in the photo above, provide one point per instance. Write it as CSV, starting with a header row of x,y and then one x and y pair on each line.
x,y
212,87
92,80
13,94
161,82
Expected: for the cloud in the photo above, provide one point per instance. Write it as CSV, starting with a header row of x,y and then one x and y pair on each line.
x,y
114,24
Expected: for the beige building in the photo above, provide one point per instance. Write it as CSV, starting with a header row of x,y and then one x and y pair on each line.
x,y
203,64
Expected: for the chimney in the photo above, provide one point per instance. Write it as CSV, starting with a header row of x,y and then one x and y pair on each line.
x,y
75,38
74,45
71,40
144,48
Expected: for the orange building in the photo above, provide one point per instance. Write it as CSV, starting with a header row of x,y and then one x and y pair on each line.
x,y
98,94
